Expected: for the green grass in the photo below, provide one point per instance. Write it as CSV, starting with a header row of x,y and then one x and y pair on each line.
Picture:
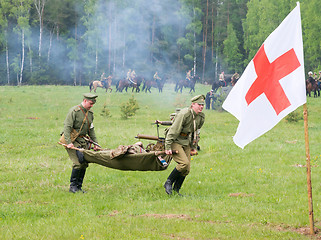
x,y
35,171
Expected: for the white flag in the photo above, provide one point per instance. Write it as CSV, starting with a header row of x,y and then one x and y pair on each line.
x,y
272,85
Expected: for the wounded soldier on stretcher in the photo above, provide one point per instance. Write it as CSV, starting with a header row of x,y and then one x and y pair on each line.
x,y
127,157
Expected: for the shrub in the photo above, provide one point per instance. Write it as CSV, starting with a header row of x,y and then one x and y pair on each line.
x,y
105,112
129,109
294,117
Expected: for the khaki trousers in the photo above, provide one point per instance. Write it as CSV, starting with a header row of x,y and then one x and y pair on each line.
x,y
73,157
183,158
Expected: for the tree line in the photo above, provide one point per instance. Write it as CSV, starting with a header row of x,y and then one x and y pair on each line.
x,y
74,41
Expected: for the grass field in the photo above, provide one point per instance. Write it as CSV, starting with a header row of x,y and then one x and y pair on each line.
x,y
256,193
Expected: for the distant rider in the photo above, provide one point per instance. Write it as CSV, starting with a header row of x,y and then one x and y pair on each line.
x,y
156,77
310,78
221,78
188,75
102,77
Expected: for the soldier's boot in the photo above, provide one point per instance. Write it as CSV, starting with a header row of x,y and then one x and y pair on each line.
x,y
81,177
170,180
178,184
74,181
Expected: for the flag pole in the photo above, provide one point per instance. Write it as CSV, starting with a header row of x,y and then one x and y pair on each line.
x,y
307,153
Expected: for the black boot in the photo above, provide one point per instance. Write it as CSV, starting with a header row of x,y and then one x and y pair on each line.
x,y
178,184
81,176
170,180
74,181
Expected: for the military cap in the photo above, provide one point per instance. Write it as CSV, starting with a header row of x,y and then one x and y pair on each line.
x,y
90,96
200,99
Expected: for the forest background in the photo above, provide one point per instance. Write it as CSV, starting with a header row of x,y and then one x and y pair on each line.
x,y
74,41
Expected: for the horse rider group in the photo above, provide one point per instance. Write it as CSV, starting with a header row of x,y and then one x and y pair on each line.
x,y
131,75
234,78
312,78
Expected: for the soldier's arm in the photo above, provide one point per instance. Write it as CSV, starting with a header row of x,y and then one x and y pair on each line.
x,y
174,131
164,123
68,125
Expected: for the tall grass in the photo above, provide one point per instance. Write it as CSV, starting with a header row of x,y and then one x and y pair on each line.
x,y
256,193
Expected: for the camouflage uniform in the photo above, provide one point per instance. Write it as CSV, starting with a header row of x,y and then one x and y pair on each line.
x,y
181,137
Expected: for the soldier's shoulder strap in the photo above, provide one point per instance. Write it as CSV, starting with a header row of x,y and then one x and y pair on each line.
x,y
76,108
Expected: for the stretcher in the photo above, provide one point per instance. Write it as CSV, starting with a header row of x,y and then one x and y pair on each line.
x,y
130,157
127,158
148,161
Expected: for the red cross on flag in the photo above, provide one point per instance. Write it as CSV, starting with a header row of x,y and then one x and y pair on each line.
x,y
272,85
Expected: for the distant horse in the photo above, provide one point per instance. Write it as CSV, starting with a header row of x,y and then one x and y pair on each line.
x,y
185,83
312,86
136,82
125,84
148,84
122,84
158,83
217,84
103,84
227,81
108,82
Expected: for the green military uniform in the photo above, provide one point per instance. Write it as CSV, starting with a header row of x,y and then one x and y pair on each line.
x,y
81,120
181,137
74,120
